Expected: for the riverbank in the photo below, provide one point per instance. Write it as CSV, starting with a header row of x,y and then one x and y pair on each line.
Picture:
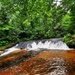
x,y
7,46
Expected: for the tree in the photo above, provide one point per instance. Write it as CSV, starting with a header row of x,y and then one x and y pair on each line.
x,y
34,19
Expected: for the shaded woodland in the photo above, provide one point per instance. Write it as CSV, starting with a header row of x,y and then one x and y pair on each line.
x,y
22,20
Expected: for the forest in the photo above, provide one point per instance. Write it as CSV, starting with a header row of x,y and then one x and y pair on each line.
x,y
22,20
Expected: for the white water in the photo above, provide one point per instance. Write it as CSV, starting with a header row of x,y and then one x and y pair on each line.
x,y
54,44
59,67
48,45
9,50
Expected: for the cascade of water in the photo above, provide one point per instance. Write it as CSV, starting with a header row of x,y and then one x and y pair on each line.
x,y
54,44
58,45
59,69
9,50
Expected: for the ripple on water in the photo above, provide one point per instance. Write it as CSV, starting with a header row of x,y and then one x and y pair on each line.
x,y
59,67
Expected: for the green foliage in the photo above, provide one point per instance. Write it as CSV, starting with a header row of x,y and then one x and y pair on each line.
x,y
36,19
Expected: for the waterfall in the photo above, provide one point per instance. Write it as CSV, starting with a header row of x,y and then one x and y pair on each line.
x,y
54,44
51,44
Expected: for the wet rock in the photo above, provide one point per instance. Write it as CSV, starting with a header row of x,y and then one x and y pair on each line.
x,y
13,58
16,57
43,63
1,52
52,63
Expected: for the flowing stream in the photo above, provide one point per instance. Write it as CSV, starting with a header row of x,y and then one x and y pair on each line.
x,y
52,44
41,57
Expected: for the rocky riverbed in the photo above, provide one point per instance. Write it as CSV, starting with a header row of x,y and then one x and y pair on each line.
x,y
44,62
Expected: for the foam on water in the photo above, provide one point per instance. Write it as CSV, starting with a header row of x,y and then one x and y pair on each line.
x,y
48,45
9,50
59,67
53,44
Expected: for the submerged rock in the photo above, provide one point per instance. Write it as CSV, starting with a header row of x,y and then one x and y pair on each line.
x,y
45,62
